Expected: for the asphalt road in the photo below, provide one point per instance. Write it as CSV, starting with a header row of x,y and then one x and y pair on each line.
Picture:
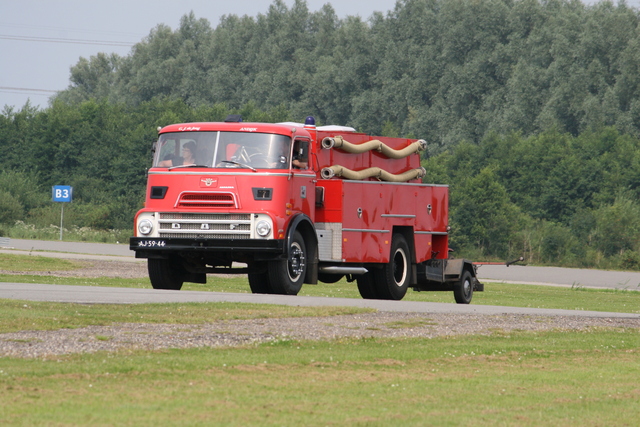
x,y
514,274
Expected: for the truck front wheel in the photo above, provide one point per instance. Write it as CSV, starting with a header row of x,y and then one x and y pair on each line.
x,y
394,279
166,273
259,283
287,275
463,288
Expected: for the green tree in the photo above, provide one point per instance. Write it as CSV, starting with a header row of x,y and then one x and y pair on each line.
x,y
617,226
482,216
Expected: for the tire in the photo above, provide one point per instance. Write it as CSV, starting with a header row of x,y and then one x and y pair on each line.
x,y
367,286
463,288
259,283
287,275
329,278
166,273
393,281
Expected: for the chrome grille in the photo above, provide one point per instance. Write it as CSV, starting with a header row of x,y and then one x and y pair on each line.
x,y
205,226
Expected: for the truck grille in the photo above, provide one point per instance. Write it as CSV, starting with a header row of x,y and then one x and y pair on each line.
x,y
205,226
206,200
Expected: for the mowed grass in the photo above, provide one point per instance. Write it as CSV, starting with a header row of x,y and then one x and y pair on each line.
x,y
522,379
569,378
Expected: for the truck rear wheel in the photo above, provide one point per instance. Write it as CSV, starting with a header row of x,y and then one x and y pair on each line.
x,y
367,286
463,288
166,273
394,279
286,276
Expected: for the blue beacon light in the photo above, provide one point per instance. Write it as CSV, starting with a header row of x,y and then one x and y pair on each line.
x,y
310,122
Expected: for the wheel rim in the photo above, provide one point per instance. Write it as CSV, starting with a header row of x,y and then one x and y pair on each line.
x,y
466,288
296,262
399,268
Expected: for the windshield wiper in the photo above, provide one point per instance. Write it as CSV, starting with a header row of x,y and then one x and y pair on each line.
x,y
188,166
242,165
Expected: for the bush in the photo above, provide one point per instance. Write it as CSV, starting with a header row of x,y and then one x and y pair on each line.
x,y
617,227
10,208
629,260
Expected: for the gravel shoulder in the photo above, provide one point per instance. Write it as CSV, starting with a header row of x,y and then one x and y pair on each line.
x,y
143,336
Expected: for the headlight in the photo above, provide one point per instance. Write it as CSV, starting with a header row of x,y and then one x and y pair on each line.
x,y
263,228
145,227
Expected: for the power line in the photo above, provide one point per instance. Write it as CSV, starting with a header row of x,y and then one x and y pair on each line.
x,y
27,91
68,41
70,30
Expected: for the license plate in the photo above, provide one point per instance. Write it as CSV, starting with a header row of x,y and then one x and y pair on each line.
x,y
151,243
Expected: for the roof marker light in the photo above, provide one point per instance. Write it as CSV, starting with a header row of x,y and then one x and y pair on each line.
x,y
310,122
233,118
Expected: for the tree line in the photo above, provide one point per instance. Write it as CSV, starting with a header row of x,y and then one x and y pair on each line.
x,y
531,110
553,198
444,70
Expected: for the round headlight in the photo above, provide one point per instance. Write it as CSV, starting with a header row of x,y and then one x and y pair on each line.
x,y
263,228
145,226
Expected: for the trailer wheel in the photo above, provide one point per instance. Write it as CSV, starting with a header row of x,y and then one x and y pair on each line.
x,y
463,288
166,273
286,276
367,286
394,279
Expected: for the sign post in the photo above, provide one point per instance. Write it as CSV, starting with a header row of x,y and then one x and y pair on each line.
x,y
64,194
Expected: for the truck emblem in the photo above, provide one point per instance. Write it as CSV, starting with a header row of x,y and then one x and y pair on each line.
x,y
175,225
204,227
232,226
209,181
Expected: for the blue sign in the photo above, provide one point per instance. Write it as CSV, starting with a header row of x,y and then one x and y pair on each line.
x,y
62,193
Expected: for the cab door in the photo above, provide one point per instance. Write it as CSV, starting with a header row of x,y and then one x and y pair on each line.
x,y
303,179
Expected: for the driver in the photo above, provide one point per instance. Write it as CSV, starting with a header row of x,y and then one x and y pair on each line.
x,y
188,157
279,159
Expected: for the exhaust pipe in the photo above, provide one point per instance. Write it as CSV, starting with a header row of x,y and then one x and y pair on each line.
x,y
343,270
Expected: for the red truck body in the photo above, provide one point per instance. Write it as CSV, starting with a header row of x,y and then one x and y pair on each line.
x,y
291,203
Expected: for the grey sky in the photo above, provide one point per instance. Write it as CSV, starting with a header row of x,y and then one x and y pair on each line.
x,y
35,61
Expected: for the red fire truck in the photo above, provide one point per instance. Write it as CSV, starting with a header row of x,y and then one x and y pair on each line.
x,y
292,203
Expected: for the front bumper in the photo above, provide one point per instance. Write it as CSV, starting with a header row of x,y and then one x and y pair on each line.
x,y
153,247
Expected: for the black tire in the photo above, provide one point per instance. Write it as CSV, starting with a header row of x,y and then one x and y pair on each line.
x,y
463,288
166,273
259,283
329,278
393,281
367,286
287,275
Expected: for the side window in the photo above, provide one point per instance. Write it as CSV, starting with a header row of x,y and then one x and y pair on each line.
x,y
300,154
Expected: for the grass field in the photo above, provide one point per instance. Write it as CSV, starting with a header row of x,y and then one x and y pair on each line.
x,y
552,378
589,378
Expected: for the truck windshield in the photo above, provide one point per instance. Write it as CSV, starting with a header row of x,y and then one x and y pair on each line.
x,y
223,150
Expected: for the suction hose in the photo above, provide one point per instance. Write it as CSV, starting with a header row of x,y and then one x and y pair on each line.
x,y
339,142
376,172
